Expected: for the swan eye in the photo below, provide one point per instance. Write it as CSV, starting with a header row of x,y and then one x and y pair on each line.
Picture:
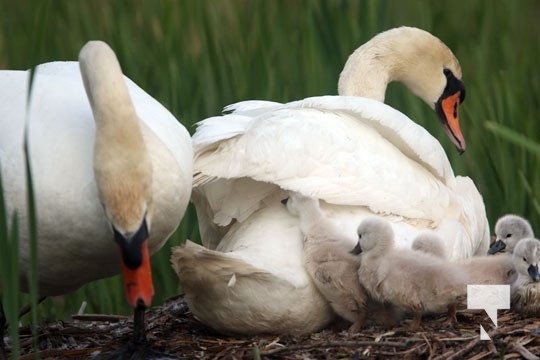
x,y
508,235
359,236
447,72
525,259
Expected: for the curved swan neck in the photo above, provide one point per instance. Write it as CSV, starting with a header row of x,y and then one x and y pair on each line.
x,y
105,85
364,75
121,163
408,55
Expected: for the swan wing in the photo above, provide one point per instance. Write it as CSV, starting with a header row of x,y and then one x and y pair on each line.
x,y
344,150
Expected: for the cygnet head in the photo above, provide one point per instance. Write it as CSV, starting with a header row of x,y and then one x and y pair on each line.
x,y
297,203
526,258
509,230
374,234
430,243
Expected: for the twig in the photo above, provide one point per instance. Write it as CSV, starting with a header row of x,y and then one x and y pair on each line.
x,y
516,346
459,354
354,344
100,317
428,345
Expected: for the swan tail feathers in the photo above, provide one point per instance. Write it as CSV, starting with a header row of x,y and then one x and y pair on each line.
x,y
196,265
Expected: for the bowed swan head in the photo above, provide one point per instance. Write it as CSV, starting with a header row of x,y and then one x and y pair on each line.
x,y
122,166
422,62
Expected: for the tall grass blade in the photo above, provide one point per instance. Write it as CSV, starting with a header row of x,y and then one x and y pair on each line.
x,y
9,271
513,137
32,223
529,190
37,45
256,352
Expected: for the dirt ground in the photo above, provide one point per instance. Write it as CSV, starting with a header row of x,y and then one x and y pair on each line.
x,y
174,330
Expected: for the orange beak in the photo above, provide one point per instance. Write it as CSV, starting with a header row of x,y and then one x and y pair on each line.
x,y
450,107
138,282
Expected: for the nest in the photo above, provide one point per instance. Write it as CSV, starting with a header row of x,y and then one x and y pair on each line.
x,y
174,330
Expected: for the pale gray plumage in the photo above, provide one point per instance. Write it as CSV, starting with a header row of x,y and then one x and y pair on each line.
x,y
484,270
430,243
414,282
525,290
488,270
509,229
329,261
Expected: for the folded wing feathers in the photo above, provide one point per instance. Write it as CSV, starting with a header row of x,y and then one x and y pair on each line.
x,y
283,139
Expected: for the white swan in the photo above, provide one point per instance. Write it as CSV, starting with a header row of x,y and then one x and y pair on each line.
x,y
111,170
357,155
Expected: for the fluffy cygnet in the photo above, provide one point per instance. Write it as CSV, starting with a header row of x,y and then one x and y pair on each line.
x,y
412,281
488,270
430,243
329,261
485,270
509,229
526,288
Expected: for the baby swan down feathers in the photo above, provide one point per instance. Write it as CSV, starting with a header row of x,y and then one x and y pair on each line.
x,y
483,269
430,243
525,290
509,230
328,260
415,282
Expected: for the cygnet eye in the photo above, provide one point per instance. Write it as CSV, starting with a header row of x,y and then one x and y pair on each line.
x,y
508,235
525,259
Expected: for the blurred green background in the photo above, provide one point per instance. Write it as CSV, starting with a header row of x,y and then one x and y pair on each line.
x,y
195,57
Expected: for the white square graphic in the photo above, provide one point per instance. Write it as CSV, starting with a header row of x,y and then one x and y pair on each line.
x,y
489,298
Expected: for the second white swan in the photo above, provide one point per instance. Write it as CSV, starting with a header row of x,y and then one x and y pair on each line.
x,y
357,155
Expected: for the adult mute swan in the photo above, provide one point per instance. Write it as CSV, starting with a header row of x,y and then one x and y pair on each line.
x,y
355,154
112,172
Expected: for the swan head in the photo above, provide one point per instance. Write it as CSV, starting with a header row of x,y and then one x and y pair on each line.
x,y
509,229
374,235
526,258
122,167
419,60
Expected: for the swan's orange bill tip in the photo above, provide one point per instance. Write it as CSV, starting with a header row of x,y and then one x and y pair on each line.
x,y
138,283
450,107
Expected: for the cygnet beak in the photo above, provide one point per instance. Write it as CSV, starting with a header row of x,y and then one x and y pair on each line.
x,y
499,245
357,249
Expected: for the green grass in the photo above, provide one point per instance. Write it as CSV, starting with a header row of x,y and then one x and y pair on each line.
x,y
9,267
195,57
